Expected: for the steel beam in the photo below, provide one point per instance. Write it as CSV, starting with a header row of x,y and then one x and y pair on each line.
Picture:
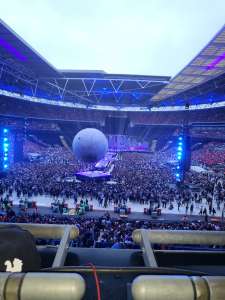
x,y
62,249
46,231
181,237
148,254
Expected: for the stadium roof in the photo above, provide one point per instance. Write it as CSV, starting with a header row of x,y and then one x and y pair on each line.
x,y
14,50
88,87
24,71
208,64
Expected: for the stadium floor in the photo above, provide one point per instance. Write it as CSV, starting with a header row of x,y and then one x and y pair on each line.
x,y
133,216
45,201
43,210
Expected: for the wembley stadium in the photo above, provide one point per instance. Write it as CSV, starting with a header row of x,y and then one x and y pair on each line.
x,y
111,185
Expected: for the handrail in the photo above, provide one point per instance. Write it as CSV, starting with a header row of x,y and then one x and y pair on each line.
x,y
191,237
41,286
145,238
161,287
46,231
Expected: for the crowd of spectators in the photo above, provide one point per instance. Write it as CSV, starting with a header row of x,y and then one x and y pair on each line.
x,y
31,147
178,117
210,154
208,133
108,232
28,124
140,178
51,112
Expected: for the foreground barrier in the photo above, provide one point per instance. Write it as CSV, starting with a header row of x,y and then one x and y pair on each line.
x,y
151,287
145,238
64,282
190,237
46,231
41,286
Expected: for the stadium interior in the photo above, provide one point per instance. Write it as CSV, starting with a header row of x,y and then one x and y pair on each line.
x,y
144,222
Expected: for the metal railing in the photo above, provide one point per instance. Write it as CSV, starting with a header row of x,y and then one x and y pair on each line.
x,y
145,238
67,286
153,287
41,286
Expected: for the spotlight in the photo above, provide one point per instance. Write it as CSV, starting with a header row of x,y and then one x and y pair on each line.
x,y
180,158
5,147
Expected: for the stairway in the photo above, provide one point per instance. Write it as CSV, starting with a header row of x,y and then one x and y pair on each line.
x,y
64,142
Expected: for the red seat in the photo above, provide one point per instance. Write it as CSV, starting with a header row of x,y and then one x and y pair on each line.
x,y
34,205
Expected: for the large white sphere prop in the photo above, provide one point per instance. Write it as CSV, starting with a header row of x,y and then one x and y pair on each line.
x,y
90,145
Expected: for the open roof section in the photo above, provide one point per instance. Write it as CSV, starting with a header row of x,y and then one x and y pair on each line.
x,y
14,49
38,78
96,74
99,87
207,65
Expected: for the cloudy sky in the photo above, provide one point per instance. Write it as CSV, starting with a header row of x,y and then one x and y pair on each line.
x,y
147,37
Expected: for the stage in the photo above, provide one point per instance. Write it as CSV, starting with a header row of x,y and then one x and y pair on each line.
x,y
93,175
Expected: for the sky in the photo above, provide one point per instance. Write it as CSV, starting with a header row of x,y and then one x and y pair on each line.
x,y
145,37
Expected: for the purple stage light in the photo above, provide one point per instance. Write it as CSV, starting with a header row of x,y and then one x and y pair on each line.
x,y
216,61
12,50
